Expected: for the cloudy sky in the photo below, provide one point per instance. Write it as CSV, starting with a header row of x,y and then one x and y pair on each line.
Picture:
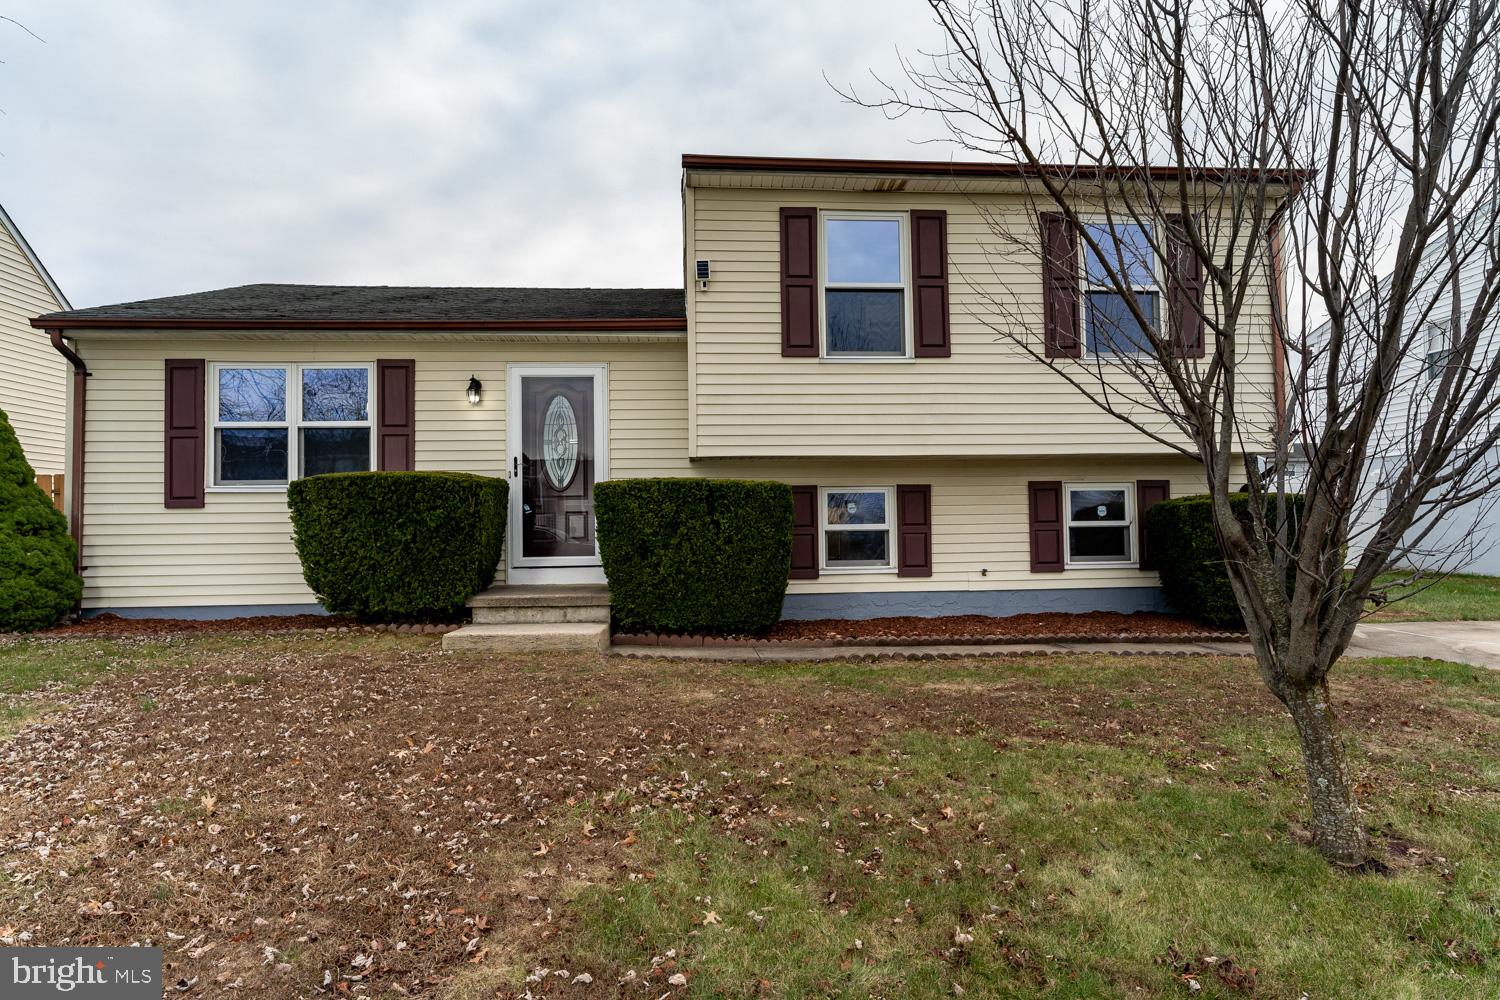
x,y
164,146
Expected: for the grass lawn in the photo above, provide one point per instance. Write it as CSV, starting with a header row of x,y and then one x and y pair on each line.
x,y
1460,597
361,813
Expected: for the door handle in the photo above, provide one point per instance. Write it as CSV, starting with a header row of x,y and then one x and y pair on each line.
x,y
515,465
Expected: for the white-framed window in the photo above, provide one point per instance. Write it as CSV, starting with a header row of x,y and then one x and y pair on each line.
x,y
1100,523
866,285
1109,326
856,531
271,423
1440,351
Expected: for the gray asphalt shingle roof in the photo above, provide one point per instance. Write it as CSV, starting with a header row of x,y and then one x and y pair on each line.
x,y
388,303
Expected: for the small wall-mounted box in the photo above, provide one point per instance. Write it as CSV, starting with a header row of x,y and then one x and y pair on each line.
x,y
702,270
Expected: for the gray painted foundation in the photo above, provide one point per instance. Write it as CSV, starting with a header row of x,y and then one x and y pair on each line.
x,y
933,603
210,612
802,607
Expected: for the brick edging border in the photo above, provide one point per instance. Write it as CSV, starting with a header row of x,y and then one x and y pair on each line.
x,y
909,653
303,630
630,639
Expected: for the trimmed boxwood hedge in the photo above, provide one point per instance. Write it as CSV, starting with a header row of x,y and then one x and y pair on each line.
x,y
1193,577
705,556
398,546
38,584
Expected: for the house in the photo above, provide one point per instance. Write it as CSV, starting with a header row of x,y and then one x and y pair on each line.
x,y
33,378
1466,538
837,332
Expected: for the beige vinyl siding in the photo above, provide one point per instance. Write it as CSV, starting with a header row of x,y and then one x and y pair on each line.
x,y
980,534
237,549
33,377
989,398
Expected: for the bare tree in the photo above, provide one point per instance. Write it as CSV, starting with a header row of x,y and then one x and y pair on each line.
x,y
1187,147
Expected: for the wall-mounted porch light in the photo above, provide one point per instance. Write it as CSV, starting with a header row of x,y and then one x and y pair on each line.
x,y
475,390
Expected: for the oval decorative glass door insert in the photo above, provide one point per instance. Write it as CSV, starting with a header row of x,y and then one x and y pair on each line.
x,y
560,442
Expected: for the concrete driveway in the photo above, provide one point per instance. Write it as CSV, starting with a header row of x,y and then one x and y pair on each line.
x,y
1476,643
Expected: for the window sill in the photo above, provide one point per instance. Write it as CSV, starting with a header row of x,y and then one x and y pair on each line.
x,y
1140,357
273,488
841,360
1102,565
854,570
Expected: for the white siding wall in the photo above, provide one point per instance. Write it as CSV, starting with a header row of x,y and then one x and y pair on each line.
x,y
989,398
237,549
33,377
1466,539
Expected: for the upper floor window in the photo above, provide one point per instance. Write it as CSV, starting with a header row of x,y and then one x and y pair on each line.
x,y
1440,351
271,421
1110,327
866,285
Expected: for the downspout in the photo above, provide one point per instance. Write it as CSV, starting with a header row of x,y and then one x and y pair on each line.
x,y
75,464
1278,323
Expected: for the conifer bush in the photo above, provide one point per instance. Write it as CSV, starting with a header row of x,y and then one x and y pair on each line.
x,y
39,584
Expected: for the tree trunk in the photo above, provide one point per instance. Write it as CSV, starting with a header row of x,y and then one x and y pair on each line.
x,y
1337,831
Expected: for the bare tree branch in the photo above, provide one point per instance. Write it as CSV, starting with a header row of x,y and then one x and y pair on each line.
x,y
1347,147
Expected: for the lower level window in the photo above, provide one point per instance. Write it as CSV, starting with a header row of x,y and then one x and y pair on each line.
x,y
1100,520
857,528
275,423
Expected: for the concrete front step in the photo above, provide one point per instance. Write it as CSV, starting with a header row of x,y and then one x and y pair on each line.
x,y
542,596
485,614
573,637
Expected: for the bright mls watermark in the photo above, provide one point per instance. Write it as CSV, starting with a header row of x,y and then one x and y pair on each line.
x,y
102,973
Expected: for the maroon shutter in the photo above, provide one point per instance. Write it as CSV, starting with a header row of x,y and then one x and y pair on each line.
x,y
1147,493
929,274
804,533
184,417
799,282
1044,505
396,416
1184,290
914,530
1060,287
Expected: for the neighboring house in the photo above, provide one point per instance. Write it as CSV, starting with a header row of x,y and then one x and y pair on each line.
x,y
833,335
33,377
1465,539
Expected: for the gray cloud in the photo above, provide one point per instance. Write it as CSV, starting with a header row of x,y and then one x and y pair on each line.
x,y
159,147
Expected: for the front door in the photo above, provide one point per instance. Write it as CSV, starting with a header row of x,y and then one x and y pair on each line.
x,y
557,452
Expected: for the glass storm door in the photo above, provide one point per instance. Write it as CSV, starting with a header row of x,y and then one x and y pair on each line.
x,y
557,463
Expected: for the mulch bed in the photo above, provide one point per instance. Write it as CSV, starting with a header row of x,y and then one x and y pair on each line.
x,y
114,626
959,630
951,630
